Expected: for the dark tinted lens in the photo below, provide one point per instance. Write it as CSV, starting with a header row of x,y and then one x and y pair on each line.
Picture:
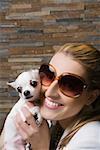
x,y
70,85
46,74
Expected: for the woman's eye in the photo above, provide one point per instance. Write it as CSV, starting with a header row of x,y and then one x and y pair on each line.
x,y
33,83
19,89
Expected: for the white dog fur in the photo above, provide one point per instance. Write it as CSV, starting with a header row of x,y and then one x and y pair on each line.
x,y
28,85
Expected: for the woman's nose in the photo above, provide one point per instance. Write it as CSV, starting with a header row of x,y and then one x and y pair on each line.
x,y
52,90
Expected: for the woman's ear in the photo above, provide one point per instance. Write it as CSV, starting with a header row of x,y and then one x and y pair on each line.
x,y
92,96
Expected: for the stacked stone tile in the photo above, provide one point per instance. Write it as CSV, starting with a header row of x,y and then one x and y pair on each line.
x,y
30,29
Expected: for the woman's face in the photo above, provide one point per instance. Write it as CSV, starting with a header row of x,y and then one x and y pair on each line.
x,y
57,106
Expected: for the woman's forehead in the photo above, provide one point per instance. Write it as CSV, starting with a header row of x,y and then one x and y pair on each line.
x,y
63,63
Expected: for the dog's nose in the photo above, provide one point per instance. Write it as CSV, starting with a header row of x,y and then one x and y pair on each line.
x,y
26,93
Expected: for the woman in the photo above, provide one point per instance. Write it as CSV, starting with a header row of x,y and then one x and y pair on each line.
x,y
71,91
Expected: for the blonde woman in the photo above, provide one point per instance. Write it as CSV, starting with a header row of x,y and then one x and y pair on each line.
x,y
71,99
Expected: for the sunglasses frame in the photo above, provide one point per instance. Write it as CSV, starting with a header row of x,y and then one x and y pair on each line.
x,y
62,75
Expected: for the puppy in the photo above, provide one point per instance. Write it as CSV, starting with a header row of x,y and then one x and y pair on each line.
x,y
28,86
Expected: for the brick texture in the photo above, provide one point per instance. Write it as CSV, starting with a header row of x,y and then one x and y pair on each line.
x,y
30,29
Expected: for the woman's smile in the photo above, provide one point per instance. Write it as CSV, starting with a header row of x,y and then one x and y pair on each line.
x,y
51,104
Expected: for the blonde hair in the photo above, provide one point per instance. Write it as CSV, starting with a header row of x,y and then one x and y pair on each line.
x,y
89,57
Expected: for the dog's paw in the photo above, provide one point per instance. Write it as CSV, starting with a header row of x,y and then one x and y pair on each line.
x,y
36,113
39,119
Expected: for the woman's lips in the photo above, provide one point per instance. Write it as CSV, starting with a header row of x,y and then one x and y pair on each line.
x,y
52,104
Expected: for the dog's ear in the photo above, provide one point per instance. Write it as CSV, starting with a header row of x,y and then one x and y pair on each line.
x,y
12,84
35,73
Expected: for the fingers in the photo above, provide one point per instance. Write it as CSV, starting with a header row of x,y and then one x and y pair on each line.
x,y
29,117
27,126
30,132
21,126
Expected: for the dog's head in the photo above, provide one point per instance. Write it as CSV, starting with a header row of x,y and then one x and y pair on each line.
x,y
27,84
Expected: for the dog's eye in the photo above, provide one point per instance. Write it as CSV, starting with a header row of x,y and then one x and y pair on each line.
x,y
19,89
33,83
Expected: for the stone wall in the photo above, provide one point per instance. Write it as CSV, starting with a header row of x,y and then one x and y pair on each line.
x,y
29,29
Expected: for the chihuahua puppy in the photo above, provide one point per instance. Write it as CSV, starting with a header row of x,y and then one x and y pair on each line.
x,y
28,86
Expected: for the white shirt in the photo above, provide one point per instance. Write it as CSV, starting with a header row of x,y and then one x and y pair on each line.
x,y
87,138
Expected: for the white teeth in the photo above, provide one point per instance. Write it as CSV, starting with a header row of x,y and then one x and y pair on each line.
x,y
52,104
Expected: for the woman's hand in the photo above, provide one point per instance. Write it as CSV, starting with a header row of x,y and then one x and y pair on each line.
x,y
38,137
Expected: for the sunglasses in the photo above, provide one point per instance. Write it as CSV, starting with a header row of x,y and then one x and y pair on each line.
x,y
70,85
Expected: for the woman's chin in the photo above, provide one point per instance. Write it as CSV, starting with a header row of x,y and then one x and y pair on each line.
x,y
47,114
